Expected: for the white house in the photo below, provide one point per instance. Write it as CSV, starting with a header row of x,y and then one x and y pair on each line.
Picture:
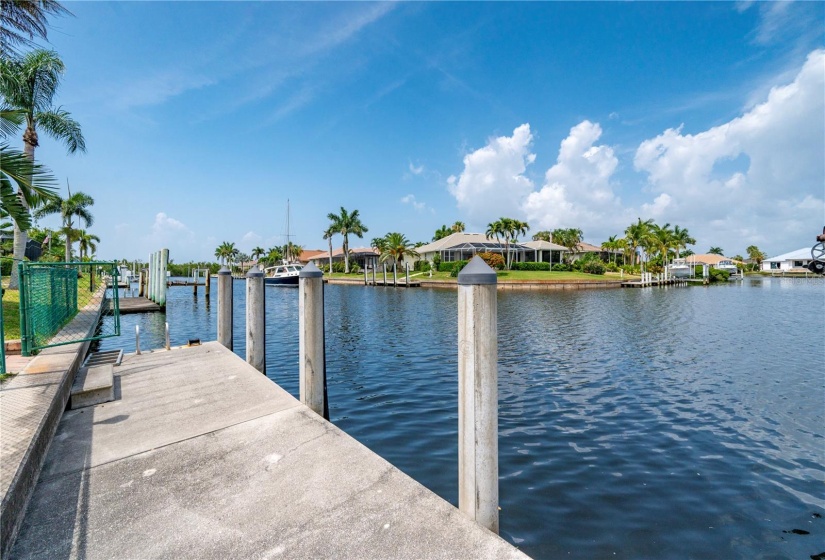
x,y
798,259
543,251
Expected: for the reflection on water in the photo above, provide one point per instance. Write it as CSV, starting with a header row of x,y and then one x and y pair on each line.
x,y
661,423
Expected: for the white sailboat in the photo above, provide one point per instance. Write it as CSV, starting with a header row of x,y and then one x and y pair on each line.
x,y
286,273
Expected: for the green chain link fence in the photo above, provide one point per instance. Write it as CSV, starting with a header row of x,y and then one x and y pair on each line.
x,y
63,303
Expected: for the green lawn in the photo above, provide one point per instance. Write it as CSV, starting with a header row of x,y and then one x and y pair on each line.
x,y
11,313
503,276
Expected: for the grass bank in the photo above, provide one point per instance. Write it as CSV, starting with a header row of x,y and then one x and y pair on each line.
x,y
503,276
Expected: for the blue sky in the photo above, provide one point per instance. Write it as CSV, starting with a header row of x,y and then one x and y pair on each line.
x,y
202,118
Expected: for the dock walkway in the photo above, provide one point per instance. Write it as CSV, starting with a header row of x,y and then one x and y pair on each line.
x,y
201,456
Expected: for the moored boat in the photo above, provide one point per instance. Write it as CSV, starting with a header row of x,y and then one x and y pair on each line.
x,y
679,269
282,274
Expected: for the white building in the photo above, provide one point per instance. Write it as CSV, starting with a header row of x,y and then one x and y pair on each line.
x,y
798,259
463,246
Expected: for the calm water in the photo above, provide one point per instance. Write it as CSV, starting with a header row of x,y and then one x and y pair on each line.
x,y
654,423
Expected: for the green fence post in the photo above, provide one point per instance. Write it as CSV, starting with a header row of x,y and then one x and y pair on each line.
x,y
24,317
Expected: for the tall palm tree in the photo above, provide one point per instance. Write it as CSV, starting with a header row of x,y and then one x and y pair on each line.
x,y
88,243
258,252
22,21
716,251
517,227
543,236
662,240
682,238
74,206
347,223
273,256
457,227
611,246
395,247
328,233
637,235
30,88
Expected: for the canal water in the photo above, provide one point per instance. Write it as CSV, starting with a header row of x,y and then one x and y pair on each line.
x,y
681,422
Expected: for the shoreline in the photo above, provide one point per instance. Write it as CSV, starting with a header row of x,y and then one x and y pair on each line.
x,y
502,284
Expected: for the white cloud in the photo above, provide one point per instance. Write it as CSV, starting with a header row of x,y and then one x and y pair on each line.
x,y
416,170
493,183
420,206
779,145
171,234
249,241
757,179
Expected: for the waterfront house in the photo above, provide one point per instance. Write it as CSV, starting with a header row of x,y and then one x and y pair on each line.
x,y
364,257
545,251
307,255
584,248
463,246
796,261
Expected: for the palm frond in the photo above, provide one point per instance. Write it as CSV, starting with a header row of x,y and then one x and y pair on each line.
x,y
60,125
12,204
34,181
22,21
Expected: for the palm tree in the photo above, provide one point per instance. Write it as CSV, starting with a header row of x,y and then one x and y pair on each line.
x,y
21,22
347,223
442,232
328,233
258,252
395,247
88,243
457,227
755,255
76,205
273,256
29,85
682,238
517,227
662,240
637,235
225,252
716,251
543,236
568,237
611,246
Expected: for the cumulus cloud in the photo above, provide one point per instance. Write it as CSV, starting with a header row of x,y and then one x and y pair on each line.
x,y
493,182
577,189
757,179
167,232
779,144
416,169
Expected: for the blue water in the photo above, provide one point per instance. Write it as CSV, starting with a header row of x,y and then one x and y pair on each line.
x,y
639,423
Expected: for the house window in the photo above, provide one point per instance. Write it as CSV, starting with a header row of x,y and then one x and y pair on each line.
x,y
774,266
798,264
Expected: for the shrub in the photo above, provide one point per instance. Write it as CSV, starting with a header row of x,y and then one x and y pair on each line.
x,y
457,266
338,266
437,261
530,266
717,275
493,260
449,266
593,267
612,267
561,267
354,268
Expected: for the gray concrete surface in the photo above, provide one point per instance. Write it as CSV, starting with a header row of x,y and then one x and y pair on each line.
x,y
93,385
203,457
31,404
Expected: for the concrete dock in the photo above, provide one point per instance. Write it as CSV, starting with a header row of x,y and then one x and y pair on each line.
x,y
201,456
137,305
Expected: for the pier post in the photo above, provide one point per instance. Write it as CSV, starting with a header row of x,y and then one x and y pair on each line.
x,y
137,340
311,358
407,273
150,276
394,276
373,271
385,274
478,394
141,281
366,282
164,261
196,277
208,283
225,307
255,319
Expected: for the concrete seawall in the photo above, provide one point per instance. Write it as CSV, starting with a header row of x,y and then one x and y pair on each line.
x,y
201,456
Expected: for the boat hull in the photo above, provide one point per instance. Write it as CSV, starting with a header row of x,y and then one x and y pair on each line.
x,y
284,281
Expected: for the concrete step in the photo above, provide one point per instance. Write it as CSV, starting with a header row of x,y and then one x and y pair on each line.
x,y
93,385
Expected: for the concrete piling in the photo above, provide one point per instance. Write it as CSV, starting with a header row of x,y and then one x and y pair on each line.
x,y
141,283
385,274
137,339
164,262
373,272
478,394
311,356
407,273
207,287
225,307
255,319
168,346
394,275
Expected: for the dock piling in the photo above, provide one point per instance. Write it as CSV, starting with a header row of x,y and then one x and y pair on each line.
x,y
394,276
225,307
385,274
207,287
141,281
168,347
255,319
164,262
311,357
478,394
137,340
407,273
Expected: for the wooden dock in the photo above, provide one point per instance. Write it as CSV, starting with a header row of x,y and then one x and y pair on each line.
x,y
654,283
137,305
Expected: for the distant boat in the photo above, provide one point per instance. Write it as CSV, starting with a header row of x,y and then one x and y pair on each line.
x,y
680,269
727,266
282,274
